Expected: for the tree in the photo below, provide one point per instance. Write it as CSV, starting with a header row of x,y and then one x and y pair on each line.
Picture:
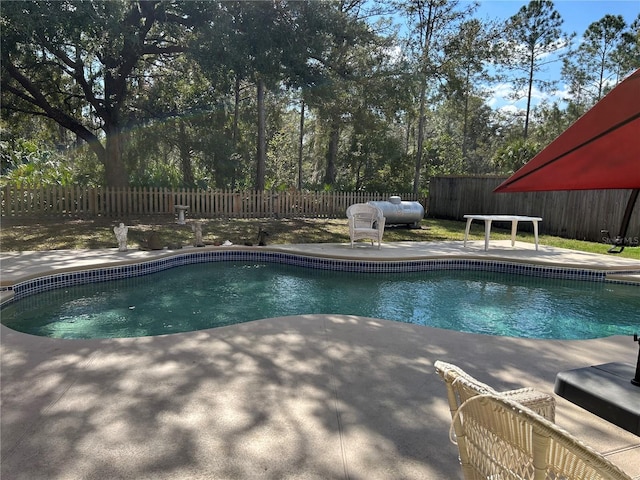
x,y
347,61
628,53
73,62
551,120
265,43
433,23
468,54
594,65
533,35
470,124
514,155
185,128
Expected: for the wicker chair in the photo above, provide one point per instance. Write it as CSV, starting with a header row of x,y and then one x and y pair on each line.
x,y
500,439
462,386
365,221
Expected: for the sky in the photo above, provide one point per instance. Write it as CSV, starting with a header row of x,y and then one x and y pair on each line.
x,y
577,16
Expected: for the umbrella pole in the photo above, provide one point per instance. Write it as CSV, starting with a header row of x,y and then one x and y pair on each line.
x,y
636,380
620,240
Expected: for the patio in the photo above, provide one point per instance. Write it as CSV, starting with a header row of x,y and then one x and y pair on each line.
x,y
304,397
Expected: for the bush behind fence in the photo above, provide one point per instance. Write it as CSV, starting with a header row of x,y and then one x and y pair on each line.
x,y
578,214
127,202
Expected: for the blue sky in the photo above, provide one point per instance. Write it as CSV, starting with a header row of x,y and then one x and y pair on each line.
x,y
577,16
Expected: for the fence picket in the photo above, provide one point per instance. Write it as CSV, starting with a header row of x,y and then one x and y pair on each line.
x,y
68,200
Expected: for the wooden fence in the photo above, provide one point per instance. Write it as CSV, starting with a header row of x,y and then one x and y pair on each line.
x,y
572,214
580,214
127,202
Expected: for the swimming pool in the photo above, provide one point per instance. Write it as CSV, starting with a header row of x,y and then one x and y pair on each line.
x,y
208,295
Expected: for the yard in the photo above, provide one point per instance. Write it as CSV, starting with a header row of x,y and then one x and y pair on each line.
x,y
28,234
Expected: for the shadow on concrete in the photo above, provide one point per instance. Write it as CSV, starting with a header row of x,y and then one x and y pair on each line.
x,y
314,397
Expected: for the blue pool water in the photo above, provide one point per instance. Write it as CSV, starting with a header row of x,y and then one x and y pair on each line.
x,y
201,296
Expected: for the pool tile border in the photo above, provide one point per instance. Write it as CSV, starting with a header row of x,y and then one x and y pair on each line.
x,y
103,274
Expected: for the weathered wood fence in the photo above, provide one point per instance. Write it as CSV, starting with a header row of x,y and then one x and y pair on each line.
x,y
580,214
572,214
126,202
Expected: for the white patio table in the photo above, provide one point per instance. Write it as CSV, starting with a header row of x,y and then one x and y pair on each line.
x,y
514,219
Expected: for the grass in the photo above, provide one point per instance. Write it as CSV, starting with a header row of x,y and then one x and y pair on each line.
x,y
55,234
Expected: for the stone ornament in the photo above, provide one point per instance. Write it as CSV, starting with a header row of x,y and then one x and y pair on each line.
x,y
197,230
121,236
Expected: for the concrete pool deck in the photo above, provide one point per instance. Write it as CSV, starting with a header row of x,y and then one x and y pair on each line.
x,y
302,397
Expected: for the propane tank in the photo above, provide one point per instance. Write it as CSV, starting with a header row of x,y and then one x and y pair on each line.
x,y
398,212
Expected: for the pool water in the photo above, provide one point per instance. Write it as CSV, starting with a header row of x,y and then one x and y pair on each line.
x,y
201,296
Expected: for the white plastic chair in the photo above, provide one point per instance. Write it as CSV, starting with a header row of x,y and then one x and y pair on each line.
x,y
366,221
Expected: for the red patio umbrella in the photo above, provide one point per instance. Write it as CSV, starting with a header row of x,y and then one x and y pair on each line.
x,y
601,150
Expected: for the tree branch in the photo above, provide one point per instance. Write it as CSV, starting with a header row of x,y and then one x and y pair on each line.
x,y
37,99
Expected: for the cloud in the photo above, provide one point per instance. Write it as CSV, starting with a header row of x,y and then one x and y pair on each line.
x,y
499,94
510,110
504,97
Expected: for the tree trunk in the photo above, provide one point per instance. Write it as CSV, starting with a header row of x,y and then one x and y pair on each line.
x,y
332,152
526,118
300,145
236,112
601,81
115,172
185,158
261,150
421,119
465,126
